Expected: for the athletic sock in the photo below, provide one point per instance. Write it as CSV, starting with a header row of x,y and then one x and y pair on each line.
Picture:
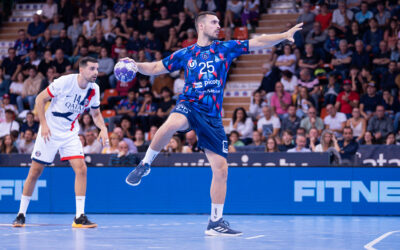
x,y
150,156
216,211
23,206
80,205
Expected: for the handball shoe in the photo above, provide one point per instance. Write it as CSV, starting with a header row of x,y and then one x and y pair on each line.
x,y
136,175
19,221
83,222
221,228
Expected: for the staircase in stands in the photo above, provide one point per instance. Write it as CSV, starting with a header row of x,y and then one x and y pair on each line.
x,y
246,77
22,15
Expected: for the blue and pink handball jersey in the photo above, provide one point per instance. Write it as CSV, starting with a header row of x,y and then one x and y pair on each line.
x,y
206,69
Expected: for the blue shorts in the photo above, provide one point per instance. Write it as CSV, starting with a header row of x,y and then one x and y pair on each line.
x,y
209,130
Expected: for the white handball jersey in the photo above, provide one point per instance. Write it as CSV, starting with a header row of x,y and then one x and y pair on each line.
x,y
68,102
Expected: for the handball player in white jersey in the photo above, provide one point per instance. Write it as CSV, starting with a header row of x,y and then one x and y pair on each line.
x,y
70,96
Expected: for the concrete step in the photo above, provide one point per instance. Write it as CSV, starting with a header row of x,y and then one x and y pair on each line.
x,y
282,17
273,23
236,99
254,57
16,24
245,77
255,70
270,30
281,4
249,63
226,121
228,107
8,36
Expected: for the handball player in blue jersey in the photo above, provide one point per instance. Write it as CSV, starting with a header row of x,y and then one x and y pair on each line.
x,y
198,108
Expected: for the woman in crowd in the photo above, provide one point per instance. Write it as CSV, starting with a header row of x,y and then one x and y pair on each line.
x,y
280,100
140,143
357,123
113,147
289,81
86,123
303,102
7,146
368,139
175,146
242,124
328,140
391,139
256,106
287,61
272,145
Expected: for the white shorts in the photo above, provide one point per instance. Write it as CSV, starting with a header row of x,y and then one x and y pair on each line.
x,y
69,147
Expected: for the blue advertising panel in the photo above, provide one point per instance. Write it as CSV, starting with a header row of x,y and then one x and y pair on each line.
x,y
251,190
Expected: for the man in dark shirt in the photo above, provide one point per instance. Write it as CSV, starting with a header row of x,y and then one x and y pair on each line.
x,y
310,59
381,59
162,24
348,147
61,64
380,125
388,79
360,57
36,28
11,65
292,121
63,42
369,101
164,107
287,141
123,158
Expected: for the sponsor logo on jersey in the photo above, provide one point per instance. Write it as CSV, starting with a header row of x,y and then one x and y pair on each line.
x,y
204,56
216,83
192,64
198,85
37,153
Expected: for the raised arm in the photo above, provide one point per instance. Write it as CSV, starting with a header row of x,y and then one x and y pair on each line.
x,y
266,41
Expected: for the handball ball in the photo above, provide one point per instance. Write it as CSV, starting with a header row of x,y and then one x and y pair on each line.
x,y
125,70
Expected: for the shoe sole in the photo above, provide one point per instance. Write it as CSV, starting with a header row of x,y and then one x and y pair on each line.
x,y
74,225
18,225
215,233
136,184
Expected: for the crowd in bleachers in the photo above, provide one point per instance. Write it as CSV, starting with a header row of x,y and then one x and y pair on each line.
x,y
336,87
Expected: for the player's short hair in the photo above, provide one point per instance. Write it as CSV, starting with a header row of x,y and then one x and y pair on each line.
x,y
84,61
201,16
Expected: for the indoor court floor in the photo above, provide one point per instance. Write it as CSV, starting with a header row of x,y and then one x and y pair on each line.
x,y
53,231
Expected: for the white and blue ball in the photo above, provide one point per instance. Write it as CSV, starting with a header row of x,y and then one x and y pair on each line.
x,y
125,70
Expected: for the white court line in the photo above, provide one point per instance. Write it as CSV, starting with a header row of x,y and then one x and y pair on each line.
x,y
255,237
370,246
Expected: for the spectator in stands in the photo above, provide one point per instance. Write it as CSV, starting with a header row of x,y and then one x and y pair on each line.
x,y
55,27
358,124
22,45
127,128
4,84
286,61
373,36
191,38
347,99
280,100
4,105
36,28
369,101
395,53
368,139
30,90
331,45
50,75
389,77
9,124
303,102
117,47
143,87
256,106
172,44
381,59
100,9
233,12
85,8
313,137
175,146
164,107
93,146
391,104
140,143
364,14
146,110
250,12
289,81
331,90
360,57
300,145
161,24
311,85
146,22
316,36
124,157
291,121
328,140
44,43
124,27
90,26
16,88
271,76
121,6
132,148
49,9
382,16
310,60
390,34
242,124
106,67
234,139
32,58
287,141
257,139
324,17
271,145
312,121
160,82
390,139
334,121
62,65
341,17
74,30
268,125
380,125
307,18
86,124
341,59
348,146
179,83
11,65
365,78
191,141
353,34
25,145
66,11
62,42
29,124
108,24
7,147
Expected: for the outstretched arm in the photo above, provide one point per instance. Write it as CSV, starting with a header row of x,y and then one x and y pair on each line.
x,y
266,41
149,68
